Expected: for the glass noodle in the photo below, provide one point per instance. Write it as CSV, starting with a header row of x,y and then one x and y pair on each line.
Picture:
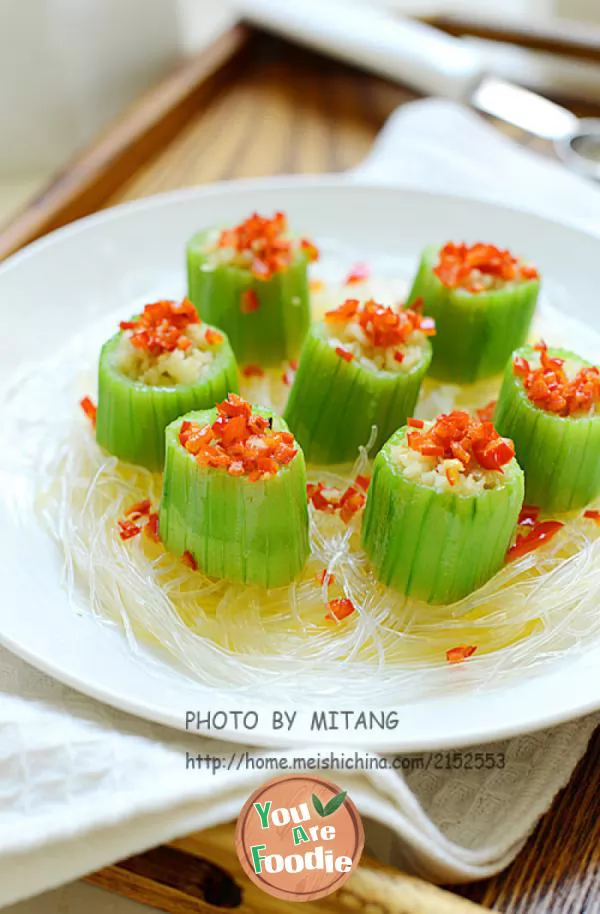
x,y
241,638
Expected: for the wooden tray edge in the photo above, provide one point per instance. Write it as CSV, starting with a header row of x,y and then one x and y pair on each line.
x,y
93,176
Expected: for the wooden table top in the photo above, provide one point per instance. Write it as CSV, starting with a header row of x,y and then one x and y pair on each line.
x,y
287,112
291,111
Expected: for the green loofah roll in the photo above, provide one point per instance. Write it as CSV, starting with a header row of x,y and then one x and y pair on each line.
x,y
476,332
436,546
132,416
559,454
272,333
333,403
248,532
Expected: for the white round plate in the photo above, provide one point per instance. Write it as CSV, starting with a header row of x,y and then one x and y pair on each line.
x,y
59,284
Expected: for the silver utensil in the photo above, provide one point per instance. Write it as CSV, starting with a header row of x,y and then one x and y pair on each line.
x,y
430,62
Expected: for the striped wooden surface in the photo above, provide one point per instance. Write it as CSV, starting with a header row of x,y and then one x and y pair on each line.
x,y
254,106
250,105
201,874
287,112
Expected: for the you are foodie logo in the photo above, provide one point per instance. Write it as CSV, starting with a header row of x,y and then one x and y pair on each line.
x,y
299,837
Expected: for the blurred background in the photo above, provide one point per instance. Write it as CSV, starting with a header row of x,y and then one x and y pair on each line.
x,y
68,67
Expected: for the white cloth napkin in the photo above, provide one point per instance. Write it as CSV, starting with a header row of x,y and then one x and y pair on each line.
x,y
82,785
437,145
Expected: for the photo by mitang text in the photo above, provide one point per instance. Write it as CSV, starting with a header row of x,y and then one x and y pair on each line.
x,y
319,720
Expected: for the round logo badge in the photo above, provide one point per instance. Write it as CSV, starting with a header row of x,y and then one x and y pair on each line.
x,y
299,837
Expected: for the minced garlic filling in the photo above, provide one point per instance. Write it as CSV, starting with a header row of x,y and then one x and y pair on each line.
x,y
170,368
218,256
352,338
260,244
488,282
436,474
224,256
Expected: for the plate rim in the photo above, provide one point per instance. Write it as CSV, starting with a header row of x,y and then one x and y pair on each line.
x,y
349,181
555,715
265,738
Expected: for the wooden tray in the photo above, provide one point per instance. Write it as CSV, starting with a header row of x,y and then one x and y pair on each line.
x,y
201,874
255,105
249,105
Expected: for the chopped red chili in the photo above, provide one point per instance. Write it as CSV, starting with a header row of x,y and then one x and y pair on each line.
x,y
360,272
90,409
486,413
161,326
344,354
345,312
326,578
139,509
538,534
250,302
460,653
331,500
339,609
351,501
130,526
452,474
465,438
240,442
549,388
310,249
127,529
398,357
253,371
265,244
290,373
457,263
213,337
528,515
323,498
364,482
381,326
521,366
415,423
592,515
151,528
188,559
